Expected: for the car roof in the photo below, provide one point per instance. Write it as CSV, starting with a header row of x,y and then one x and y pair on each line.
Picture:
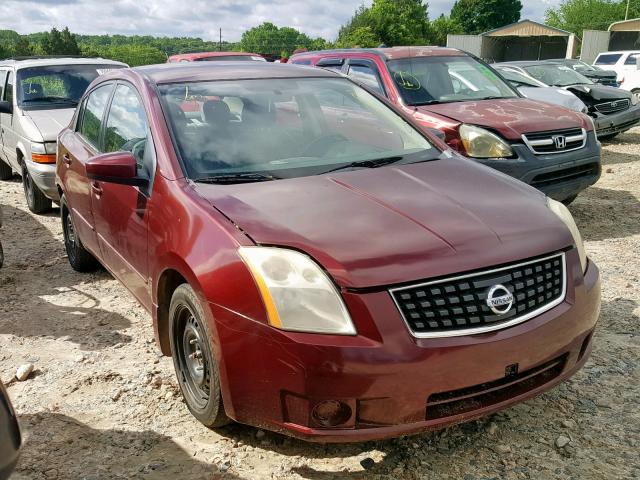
x,y
236,70
389,53
24,62
194,55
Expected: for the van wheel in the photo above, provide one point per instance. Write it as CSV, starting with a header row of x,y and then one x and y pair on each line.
x,y
193,359
5,171
36,201
79,258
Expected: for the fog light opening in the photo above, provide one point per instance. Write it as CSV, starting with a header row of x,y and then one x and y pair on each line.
x,y
331,413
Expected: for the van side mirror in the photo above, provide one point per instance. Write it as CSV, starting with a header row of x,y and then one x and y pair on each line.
x,y
117,167
6,107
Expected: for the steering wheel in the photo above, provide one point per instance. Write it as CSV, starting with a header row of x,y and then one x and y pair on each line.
x,y
320,146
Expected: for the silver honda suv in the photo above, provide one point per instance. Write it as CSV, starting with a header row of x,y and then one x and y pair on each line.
x,y
38,97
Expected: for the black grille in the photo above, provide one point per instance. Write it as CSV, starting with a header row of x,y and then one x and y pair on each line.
x,y
614,106
451,306
544,143
565,175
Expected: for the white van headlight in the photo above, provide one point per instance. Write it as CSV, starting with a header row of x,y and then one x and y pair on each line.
x,y
564,214
297,293
481,143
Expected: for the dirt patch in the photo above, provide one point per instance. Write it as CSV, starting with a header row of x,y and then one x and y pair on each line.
x,y
104,404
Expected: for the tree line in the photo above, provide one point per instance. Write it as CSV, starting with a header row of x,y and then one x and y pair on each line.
x,y
388,22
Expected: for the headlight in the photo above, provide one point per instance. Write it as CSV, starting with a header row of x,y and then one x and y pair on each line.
x,y
565,215
481,143
48,148
634,99
297,293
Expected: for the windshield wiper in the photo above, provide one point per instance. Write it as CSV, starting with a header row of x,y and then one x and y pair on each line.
x,y
66,101
246,177
375,163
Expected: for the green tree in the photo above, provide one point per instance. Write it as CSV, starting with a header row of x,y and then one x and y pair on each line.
x,y
441,27
477,16
22,47
392,22
132,55
268,39
56,42
578,15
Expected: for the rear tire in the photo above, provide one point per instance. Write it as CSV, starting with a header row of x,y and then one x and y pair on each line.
x,y
193,359
36,200
5,171
80,259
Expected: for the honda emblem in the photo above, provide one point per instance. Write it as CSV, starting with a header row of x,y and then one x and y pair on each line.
x,y
559,141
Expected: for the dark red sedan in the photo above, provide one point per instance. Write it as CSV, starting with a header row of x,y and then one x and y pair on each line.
x,y
314,262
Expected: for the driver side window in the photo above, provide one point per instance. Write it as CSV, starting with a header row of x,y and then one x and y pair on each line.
x,y
127,127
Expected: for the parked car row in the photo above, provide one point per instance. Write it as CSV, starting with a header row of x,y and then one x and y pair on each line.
x,y
324,253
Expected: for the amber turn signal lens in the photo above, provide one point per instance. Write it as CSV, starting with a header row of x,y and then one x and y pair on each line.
x,y
43,158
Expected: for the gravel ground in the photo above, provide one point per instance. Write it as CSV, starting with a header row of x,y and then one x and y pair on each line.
x,y
101,402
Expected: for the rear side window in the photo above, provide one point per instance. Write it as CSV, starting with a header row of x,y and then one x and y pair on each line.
x,y
92,114
632,59
8,91
126,124
3,78
367,76
608,59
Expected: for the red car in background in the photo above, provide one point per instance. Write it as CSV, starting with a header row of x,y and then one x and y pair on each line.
x,y
314,263
216,57
479,113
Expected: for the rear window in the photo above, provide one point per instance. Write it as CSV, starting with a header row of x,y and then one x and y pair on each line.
x,y
608,59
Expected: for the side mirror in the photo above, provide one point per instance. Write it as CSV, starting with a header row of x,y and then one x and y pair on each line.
x,y
6,107
437,133
117,167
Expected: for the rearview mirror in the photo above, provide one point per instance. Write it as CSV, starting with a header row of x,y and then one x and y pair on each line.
x,y
6,107
118,167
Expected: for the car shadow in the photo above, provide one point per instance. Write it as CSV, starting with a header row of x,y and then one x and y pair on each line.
x,y
603,213
41,296
58,446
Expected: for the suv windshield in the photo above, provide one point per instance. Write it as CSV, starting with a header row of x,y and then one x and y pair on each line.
x,y
252,130
429,80
557,75
56,85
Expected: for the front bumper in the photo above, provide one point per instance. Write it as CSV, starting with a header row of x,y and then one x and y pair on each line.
x,y
560,175
44,177
617,122
393,383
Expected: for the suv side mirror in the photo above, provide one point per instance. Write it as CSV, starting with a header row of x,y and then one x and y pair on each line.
x,y
6,107
117,167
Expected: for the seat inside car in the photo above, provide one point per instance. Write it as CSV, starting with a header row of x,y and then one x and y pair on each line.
x,y
217,114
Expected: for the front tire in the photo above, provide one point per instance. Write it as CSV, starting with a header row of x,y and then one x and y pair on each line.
x,y
80,259
5,171
193,359
36,200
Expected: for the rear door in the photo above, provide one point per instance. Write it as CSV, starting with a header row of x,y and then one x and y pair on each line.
x,y
121,212
75,148
3,79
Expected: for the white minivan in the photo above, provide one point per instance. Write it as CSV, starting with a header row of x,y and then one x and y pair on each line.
x,y
625,63
38,97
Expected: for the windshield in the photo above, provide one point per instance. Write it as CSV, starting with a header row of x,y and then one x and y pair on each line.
x,y
56,85
557,75
518,79
284,128
582,67
428,80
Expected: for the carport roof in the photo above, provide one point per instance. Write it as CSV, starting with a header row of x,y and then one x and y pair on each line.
x,y
631,25
526,28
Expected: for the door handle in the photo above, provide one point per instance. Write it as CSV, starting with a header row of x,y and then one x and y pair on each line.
x,y
97,189
66,159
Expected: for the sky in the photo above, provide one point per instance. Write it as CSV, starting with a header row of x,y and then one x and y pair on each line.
x,y
199,18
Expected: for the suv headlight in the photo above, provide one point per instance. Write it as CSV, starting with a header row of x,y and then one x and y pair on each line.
x,y
634,99
564,214
48,148
481,143
297,293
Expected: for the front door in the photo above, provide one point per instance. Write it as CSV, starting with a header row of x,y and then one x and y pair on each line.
x,y
121,212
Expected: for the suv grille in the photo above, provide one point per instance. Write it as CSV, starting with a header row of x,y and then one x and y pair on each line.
x,y
566,175
556,141
459,305
613,107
